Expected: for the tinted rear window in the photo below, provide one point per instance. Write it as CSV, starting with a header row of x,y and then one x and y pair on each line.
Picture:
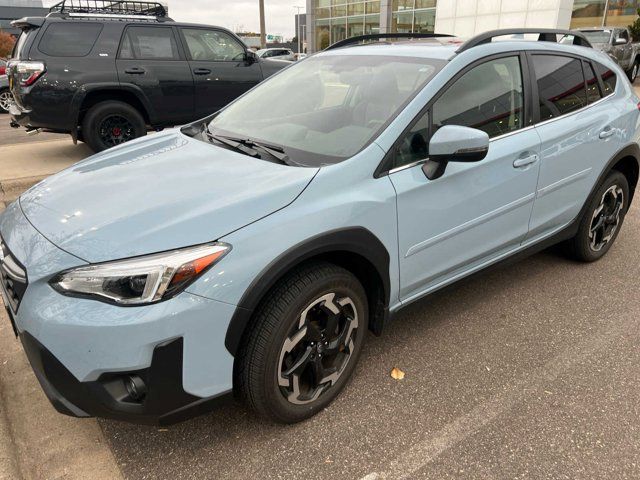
x,y
69,39
149,43
561,85
18,48
608,78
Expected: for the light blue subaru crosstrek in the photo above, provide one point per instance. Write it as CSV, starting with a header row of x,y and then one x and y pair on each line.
x,y
251,251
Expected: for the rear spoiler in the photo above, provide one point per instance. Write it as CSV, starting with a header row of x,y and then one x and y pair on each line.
x,y
28,22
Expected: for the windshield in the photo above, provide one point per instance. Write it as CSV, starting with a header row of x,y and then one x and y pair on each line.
x,y
598,36
327,108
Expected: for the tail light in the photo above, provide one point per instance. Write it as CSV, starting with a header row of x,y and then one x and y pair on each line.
x,y
27,73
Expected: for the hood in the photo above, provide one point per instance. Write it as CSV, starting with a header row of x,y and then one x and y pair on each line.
x,y
160,193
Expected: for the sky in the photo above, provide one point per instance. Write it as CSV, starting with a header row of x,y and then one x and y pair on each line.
x,y
235,14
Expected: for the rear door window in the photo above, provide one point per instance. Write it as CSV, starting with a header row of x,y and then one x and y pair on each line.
x,y
608,76
561,85
593,90
69,39
149,43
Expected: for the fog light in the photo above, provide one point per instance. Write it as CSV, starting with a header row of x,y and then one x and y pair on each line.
x,y
136,387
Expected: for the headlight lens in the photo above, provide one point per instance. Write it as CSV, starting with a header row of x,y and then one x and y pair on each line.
x,y
141,280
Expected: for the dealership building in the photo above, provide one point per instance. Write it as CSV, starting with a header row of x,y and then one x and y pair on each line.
x,y
329,21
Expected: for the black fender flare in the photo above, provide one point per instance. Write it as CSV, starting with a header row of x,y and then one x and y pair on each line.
x,y
82,93
356,240
631,150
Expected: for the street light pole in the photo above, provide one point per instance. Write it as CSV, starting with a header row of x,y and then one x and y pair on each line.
x,y
263,35
298,32
606,11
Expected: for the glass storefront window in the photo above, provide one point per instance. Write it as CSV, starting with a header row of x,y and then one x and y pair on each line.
x,y
371,24
373,7
340,19
355,26
339,11
338,29
425,4
424,21
402,22
323,12
356,9
591,13
402,5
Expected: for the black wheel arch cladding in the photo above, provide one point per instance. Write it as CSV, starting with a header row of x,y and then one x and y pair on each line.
x,y
356,249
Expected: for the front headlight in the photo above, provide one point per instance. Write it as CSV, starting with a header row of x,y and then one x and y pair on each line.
x,y
141,280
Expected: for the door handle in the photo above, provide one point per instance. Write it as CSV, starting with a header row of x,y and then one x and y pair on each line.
x,y
202,71
525,161
607,133
135,71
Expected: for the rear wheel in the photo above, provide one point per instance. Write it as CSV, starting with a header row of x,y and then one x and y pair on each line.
x,y
5,100
111,123
304,343
602,220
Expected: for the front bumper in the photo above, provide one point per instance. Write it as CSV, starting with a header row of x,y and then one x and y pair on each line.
x,y
164,402
82,351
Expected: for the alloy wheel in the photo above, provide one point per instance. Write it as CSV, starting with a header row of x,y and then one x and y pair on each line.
x,y
5,100
318,349
116,129
606,218
634,72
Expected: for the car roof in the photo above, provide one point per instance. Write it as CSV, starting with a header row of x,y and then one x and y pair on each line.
x,y
436,50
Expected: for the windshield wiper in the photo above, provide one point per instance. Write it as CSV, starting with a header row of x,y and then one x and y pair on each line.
x,y
238,146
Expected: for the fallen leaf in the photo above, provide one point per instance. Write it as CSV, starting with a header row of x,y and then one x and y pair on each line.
x,y
163,429
397,374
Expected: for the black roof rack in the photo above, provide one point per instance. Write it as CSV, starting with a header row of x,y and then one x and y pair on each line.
x,y
110,8
378,36
545,35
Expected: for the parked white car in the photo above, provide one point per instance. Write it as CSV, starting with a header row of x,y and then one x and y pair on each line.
x,y
277,53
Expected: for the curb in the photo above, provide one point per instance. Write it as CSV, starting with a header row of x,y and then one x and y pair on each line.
x,y
36,441
12,188
43,443
8,455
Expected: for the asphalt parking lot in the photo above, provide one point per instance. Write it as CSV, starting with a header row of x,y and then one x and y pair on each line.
x,y
527,371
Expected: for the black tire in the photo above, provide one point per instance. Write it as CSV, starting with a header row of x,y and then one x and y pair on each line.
x,y
632,73
259,365
111,123
581,247
5,97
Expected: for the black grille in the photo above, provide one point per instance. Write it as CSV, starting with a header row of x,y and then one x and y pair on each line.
x,y
13,278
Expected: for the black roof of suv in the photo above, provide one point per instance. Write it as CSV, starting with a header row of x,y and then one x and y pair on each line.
x,y
107,71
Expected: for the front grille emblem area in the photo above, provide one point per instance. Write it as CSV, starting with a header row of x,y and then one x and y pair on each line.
x,y
13,278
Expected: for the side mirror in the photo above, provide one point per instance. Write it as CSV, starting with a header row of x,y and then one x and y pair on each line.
x,y
620,41
453,143
250,57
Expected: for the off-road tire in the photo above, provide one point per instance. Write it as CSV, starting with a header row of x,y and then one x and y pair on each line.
x,y
95,128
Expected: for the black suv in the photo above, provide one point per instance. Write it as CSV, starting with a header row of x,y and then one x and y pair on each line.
x,y
107,71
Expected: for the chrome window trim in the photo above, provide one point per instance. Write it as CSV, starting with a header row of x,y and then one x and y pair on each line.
x,y
576,111
408,165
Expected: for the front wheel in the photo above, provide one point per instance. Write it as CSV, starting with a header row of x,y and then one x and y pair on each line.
x,y
304,343
602,221
5,100
111,123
